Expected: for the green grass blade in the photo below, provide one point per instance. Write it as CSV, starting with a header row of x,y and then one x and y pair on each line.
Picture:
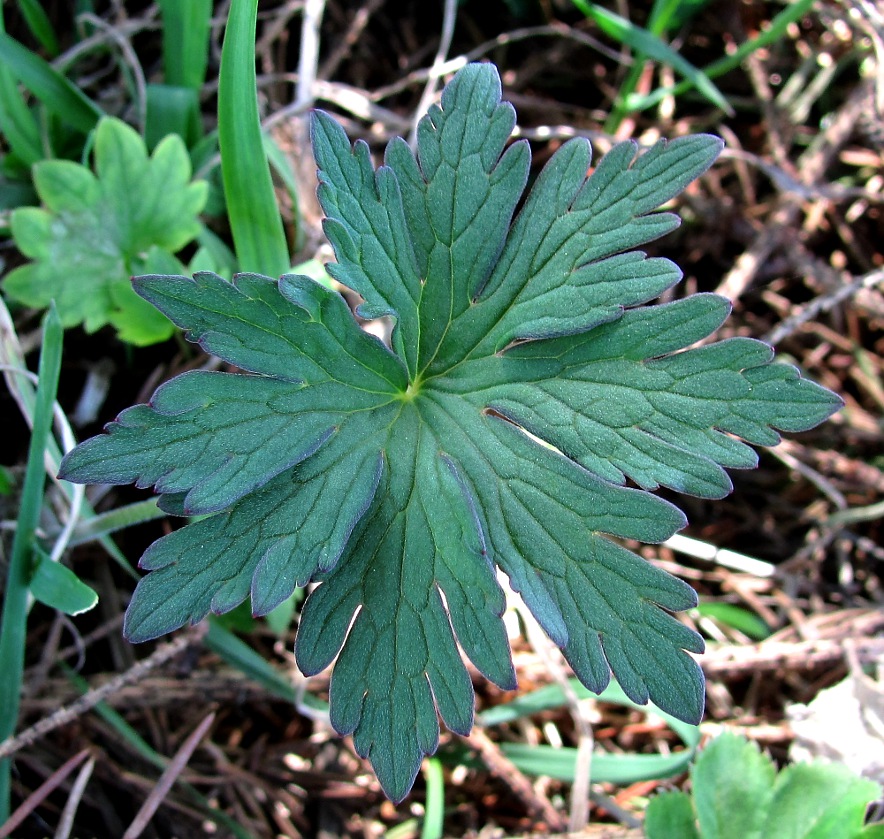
x,y
434,816
662,14
113,520
17,124
223,258
172,110
644,42
736,617
255,221
283,168
552,696
775,32
561,763
11,354
186,29
57,93
41,28
15,601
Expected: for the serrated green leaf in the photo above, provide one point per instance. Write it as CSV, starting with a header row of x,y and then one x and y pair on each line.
x,y
733,789
520,394
459,195
819,801
212,565
366,225
670,815
97,231
607,401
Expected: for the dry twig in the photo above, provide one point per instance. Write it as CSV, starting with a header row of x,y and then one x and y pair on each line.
x,y
502,767
89,700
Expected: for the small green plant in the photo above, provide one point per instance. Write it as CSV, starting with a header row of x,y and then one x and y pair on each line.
x,y
524,386
97,230
737,793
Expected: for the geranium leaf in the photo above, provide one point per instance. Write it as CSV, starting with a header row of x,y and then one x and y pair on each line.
x,y
97,230
525,386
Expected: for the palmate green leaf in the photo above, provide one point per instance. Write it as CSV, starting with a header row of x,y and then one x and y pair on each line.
x,y
96,230
738,794
526,384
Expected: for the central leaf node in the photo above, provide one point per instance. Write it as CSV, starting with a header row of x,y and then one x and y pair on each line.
x,y
411,392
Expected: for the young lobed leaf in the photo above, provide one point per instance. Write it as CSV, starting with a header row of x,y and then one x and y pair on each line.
x,y
820,801
670,815
733,785
525,385
96,230
738,794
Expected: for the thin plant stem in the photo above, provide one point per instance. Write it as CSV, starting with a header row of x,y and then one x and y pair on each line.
x,y
15,601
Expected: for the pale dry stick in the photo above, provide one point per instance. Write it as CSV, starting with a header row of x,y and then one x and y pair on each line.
x,y
89,700
869,546
449,15
733,149
823,74
721,556
81,643
62,425
176,766
787,183
362,104
770,656
39,672
453,64
797,81
145,22
747,590
854,515
759,79
66,822
36,798
351,36
275,27
503,768
354,101
823,303
870,17
812,165
12,363
819,481
164,690
351,100
579,804
599,139
308,61
125,47
612,808
221,12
